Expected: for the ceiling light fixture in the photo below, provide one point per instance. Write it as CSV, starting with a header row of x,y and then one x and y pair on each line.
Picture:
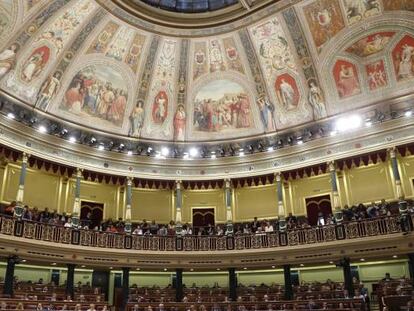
x,y
72,139
408,113
193,152
129,152
11,115
165,151
42,129
101,147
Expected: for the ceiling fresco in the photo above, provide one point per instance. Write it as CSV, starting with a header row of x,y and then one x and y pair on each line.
x,y
302,63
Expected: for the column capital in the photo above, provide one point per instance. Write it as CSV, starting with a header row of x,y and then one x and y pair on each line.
x,y
178,184
129,180
79,172
331,166
25,157
278,176
393,152
227,183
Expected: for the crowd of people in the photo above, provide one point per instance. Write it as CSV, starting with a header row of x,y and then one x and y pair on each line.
x,y
353,213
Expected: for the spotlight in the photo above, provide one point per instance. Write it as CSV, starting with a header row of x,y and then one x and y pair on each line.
x,y
280,143
348,123
300,142
408,113
42,129
270,148
149,149
101,147
92,140
121,147
185,156
333,133
158,155
63,132
368,123
193,152
165,151
241,152
11,115
213,155
129,152
72,139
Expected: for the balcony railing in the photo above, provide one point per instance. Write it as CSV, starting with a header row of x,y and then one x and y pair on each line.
x,y
59,234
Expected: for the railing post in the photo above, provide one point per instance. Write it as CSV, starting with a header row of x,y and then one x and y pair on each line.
x,y
18,210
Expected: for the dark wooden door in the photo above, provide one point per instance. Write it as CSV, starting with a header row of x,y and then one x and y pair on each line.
x,y
96,213
202,218
314,205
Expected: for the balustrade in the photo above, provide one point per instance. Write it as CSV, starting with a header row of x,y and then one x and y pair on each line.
x,y
91,238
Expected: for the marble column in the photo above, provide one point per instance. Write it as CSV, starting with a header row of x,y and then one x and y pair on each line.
x,y
179,293
8,287
18,210
178,204
125,288
348,283
70,280
280,203
403,207
232,284
128,225
288,282
76,205
229,204
336,204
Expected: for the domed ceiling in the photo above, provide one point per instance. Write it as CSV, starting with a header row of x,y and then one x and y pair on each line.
x,y
95,64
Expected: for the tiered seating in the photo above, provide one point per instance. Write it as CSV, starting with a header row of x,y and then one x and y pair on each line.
x,y
33,296
394,294
323,304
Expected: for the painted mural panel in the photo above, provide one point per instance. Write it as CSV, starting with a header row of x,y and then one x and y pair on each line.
x,y
346,79
392,5
371,44
200,59
221,106
377,76
34,65
101,42
403,58
8,59
356,10
287,91
46,47
232,55
6,16
216,56
273,48
97,92
324,19
160,103
134,51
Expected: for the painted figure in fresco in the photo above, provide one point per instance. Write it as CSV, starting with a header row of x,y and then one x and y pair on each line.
x,y
48,90
357,9
35,64
160,107
376,75
406,66
8,59
137,119
179,123
348,84
287,94
267,110
316,100
91,93
243,120
216,59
